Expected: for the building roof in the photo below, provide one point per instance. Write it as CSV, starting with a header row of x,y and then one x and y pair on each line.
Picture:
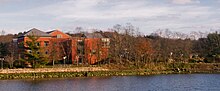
x,y
77,35
36,32
55,32
50,31
93,35
109,34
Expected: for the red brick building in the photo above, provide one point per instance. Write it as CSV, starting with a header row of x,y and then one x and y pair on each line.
x,y
88,48
43,40
96,47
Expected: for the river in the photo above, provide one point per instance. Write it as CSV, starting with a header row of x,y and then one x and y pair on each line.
x,y
171,82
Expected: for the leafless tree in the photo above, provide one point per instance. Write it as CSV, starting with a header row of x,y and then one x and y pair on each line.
x,y
2,32
55,54
79,29
10,59
168,33
66,49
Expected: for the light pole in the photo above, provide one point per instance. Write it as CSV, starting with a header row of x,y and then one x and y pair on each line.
x,y
170,59
64,60
182,59
126,53
120,58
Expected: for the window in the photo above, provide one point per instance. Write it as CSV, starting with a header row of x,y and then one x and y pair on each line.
x,y
105,42
46,43
59,36
38,44
93,51
46,52
80,42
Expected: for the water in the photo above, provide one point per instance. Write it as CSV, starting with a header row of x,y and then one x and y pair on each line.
x,y
173,82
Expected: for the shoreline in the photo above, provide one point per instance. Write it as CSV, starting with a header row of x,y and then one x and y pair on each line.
x,y
42,75
38,73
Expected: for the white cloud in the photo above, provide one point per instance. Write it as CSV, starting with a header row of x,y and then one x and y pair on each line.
x,y
144,14
185,1
96,9
8,1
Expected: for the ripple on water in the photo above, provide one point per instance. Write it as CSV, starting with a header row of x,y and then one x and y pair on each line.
x,y
171,82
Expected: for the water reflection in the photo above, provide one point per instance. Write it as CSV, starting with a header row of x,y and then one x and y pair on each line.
x,y
182,82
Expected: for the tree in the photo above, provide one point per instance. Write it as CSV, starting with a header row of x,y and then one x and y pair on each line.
x,y
66,49
3,49
10,59
7,47
209,47
12,54
143,49
116,44
78,29
164,47
34,54
124,43
54,51
2,32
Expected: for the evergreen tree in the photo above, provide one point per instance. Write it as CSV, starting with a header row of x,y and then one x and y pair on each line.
x,y
34,53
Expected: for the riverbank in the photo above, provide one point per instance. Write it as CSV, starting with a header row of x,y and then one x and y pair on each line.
x,y
27,73
33,75
108,70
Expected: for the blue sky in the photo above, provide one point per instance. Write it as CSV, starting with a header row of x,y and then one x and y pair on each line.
x,y
149,15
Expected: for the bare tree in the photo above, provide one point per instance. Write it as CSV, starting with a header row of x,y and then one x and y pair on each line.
x,y
123,44
66,49
10,60
194,35
168,33
2,32
79,29
54,51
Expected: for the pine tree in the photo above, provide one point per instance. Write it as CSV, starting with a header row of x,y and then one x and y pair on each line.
x,y
34,53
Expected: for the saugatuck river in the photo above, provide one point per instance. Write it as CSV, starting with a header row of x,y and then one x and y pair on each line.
x,y
171,82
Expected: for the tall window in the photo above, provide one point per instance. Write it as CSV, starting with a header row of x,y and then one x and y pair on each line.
x,y
38,44
46,52
46,43
80,47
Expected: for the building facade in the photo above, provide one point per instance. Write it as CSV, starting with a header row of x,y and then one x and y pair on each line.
x,y
83,48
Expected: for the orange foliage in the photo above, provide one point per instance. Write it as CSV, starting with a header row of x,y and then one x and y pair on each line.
x,y
143,47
